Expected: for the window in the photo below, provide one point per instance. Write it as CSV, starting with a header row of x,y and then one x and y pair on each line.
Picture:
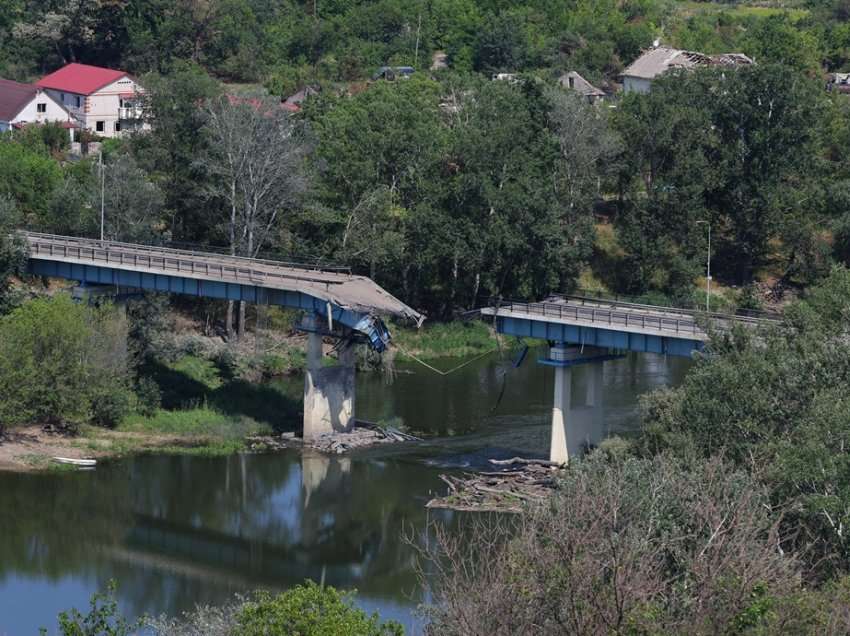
x,y
99,126
78,102
63,97
117,126
572,82
41,108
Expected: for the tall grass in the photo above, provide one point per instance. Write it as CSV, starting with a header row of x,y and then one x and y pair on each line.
x,y
450,339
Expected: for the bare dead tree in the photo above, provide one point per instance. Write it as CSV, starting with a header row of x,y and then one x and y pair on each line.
x,y
586,143
257,163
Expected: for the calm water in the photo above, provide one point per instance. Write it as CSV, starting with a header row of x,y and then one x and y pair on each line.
x,y
177,531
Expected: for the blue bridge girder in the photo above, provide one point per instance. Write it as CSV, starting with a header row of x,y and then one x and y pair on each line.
x,y
597,337
613,325
214,276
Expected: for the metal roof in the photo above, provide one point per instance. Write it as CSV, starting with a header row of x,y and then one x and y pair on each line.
x,y
81,79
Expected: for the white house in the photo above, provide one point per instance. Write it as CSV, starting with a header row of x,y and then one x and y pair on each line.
x,y
576,82
104,101
22,104
637,78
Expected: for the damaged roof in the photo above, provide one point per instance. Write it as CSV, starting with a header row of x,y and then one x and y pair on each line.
x,y
658,60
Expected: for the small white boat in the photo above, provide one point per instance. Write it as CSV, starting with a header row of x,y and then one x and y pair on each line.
x,y
76,462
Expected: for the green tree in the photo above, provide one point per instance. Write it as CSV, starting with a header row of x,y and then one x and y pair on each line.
x,y
777,40
29,177
739,148
773,403
63,363
13,253
169,153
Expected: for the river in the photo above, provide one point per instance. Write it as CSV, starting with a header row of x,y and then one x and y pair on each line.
x,y
175,531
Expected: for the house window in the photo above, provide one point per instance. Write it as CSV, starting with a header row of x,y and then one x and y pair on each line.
x,y
63,97
78,102
99,126
41,108
117,126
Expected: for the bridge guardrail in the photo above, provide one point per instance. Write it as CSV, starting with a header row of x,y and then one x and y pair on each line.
x,y
165,259
604,317
746,318
188,249
628,315
624,299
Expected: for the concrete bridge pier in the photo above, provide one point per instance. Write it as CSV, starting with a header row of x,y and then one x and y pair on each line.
x,y
329,392
573,430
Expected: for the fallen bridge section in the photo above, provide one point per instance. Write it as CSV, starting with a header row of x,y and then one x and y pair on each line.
x,y
336,296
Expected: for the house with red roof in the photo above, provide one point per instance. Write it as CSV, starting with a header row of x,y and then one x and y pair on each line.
x,y
23,104
104,101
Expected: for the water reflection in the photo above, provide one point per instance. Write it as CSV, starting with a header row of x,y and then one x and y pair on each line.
x,y
177,531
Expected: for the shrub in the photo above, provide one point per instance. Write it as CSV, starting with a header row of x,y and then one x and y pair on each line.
x,y
103,618
633,546
305,610
309,610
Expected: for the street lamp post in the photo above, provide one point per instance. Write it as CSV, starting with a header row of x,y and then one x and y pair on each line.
x,y
707,269
102,188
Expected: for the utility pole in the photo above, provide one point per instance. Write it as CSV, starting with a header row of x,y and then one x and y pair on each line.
x,y
707,269
102,188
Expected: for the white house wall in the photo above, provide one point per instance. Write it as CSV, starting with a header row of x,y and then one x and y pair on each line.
x,y
53,111
636,84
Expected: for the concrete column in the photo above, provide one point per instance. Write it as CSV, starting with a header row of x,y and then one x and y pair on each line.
x,y
328,391
594,384
561,406
314,343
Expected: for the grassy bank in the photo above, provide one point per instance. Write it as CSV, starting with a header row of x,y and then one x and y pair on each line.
x,y
443,340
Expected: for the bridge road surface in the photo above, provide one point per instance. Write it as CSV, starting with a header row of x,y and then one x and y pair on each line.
x,y
346,298
612,324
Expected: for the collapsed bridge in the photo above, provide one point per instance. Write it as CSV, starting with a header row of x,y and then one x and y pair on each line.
x,y
336,302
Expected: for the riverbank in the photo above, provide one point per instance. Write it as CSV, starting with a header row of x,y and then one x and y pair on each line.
x,y
31,449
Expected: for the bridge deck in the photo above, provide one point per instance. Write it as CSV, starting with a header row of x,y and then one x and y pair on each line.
x,y
356,293
612,324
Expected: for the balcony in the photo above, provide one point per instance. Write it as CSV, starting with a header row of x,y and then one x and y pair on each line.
x,y
130,112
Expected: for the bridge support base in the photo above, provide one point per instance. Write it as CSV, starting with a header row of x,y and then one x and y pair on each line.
x,y
329,392
573,431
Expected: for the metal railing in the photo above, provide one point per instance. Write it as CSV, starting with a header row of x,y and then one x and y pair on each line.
x,y
754,318
667,303
171,260
604,316
628,315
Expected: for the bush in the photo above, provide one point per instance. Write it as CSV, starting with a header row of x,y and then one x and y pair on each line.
x,y
625,547
309,610
305,610
103,618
